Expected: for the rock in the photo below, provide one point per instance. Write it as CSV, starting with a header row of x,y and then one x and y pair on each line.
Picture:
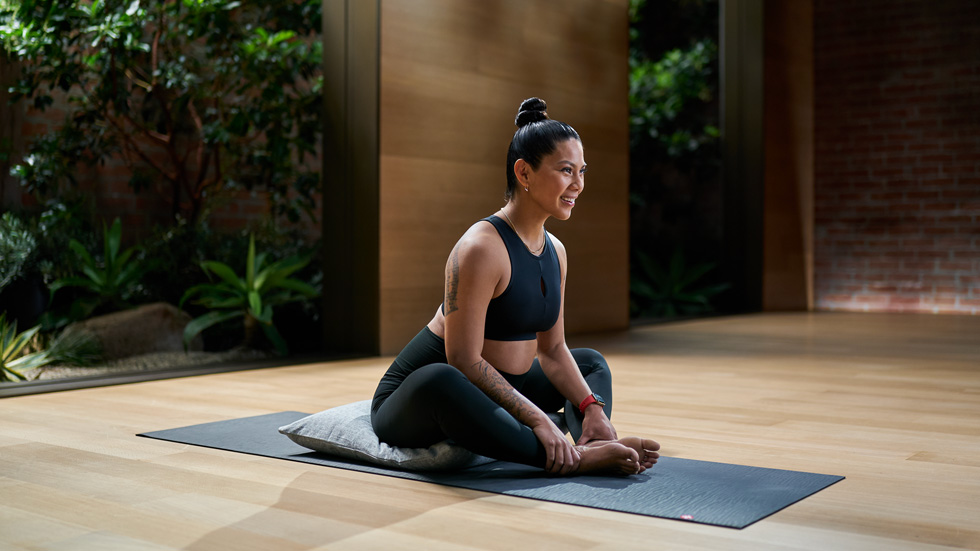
x,y
157,327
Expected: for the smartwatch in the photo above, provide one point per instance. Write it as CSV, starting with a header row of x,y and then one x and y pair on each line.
x,y
589,400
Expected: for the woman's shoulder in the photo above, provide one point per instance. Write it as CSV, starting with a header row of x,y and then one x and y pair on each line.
x,y
480,241
481,233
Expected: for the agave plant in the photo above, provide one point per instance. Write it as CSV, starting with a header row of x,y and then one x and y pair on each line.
x,y
68,347
251,297
12,351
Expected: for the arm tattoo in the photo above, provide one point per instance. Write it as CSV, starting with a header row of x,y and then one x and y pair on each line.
x,y
452,282
499,390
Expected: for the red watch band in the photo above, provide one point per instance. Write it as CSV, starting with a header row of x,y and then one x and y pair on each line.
x,y
589,400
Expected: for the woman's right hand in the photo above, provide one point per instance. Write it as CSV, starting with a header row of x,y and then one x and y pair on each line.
x,y
563,458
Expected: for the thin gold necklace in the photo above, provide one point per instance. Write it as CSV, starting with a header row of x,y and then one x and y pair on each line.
x,y
536,251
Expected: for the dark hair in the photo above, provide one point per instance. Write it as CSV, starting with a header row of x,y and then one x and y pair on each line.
x,y
537,136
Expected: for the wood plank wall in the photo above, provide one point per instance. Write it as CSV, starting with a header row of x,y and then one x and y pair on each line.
x,y
788,241
452,76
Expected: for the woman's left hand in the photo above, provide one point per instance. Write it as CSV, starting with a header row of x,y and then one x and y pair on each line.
x,y
596,426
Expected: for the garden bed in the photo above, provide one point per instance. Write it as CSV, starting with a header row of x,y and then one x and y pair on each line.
x,y
157,361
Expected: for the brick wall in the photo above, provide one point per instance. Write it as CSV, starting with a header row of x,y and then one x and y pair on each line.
x,y
897,155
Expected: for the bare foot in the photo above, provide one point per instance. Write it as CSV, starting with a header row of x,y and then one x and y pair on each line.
x,y
645,448
608,458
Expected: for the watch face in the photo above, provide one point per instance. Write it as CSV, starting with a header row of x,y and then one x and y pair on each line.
x,y
599,399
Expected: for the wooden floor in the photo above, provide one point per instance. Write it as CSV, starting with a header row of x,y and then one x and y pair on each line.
x,y
892,402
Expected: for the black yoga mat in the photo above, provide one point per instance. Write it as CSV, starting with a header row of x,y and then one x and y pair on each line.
x,y
719,494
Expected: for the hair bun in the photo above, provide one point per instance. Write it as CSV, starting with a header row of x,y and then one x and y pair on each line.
x,y
532,110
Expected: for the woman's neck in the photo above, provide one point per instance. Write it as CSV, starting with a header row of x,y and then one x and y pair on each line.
x,y
528,225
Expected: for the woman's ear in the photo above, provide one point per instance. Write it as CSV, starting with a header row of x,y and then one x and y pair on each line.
x,y
522,171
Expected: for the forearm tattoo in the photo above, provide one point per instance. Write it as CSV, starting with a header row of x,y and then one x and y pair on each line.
x,y
499,390
452,282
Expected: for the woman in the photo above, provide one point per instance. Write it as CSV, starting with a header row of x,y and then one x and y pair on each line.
x,y
471,374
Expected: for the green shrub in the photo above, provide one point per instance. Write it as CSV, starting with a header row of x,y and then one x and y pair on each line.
x,y
252,296
662,94
18,247
203,97
676,191
108,284
677,289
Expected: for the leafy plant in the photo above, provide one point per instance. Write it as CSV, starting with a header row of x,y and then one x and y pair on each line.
x,y
69,347
61,220
23,295
662,91
676,190
674,290
17,248
176,252
251,297
202,96
109,283
75,348
13,358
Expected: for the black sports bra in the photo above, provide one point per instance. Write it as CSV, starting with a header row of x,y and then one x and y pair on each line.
x,y
532,300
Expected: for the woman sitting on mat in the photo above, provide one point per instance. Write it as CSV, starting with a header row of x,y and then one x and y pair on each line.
x,y
471,374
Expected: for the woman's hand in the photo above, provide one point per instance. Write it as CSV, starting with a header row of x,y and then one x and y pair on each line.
x,y
562,457
596,426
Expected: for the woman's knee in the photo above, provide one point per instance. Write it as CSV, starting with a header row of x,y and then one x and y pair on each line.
x,y
590,361
436,381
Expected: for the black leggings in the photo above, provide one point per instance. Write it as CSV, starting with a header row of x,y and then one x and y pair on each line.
x,y
435,402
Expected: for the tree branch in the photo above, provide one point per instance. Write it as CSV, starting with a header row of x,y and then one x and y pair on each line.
x,y
162,139
128,139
